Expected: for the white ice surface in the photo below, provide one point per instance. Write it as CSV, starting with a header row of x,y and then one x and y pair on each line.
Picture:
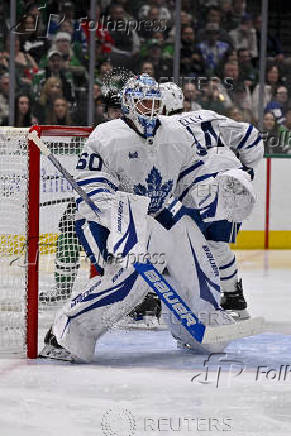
x,y
145,374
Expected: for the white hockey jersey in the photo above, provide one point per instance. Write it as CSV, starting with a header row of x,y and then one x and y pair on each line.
x,y
219,144
210,130
115,158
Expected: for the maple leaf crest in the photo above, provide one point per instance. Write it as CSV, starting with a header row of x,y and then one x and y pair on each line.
x,y
155,189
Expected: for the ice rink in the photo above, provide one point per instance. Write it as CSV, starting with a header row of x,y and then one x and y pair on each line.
x,y
140,384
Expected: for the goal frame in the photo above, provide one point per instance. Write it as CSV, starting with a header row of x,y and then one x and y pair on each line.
x,y
32,221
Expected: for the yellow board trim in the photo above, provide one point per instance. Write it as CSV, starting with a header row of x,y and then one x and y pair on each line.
x,y
15,244
254,240
247,239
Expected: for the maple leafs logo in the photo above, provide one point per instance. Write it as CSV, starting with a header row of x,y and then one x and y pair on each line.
x,y
155,190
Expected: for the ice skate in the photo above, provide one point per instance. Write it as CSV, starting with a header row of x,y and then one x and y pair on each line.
x,y
234,303
147,315
52,350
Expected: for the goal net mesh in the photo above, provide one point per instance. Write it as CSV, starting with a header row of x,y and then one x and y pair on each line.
x,y
63,268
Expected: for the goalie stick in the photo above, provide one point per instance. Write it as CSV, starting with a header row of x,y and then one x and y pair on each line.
x,y
187,318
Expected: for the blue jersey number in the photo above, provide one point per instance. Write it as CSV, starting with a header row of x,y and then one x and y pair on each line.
x,y
93,161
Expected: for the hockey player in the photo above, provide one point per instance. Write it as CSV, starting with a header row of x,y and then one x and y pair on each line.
x,y
227,153
130,168
67,260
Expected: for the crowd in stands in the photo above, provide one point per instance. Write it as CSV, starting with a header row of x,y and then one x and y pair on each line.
x,y
220,43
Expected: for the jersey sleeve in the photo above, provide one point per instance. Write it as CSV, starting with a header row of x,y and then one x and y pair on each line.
x,y
96,178
244,139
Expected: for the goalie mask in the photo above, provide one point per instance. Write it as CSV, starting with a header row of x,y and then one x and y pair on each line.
x,y
141,103
172,98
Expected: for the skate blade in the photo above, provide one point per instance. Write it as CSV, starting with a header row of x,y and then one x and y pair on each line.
x,y
50,352
238,315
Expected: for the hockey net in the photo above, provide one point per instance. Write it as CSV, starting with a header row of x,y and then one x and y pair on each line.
x,y
40,257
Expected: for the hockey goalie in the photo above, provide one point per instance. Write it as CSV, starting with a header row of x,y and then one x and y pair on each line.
x,y
131,169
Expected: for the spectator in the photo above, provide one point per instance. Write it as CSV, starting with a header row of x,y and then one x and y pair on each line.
x,y
51,90
278,105
4,97
35,12
162,67
105,69
247,73
227,21
212,49
245,36
25,65
60,114
23,116
232,14
248,116
285,135
192,62
230,83
270,133
235,114
213,16
31,40
186,19
241,97
211,99
79,45
187,106
270,87
63,45
190,94
163,12
99,105
126,40
273,43
55,67
167,48
4,62
112,107
102,34
147,67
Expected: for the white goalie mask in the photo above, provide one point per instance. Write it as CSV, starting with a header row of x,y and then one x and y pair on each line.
x,y
172,97
141,103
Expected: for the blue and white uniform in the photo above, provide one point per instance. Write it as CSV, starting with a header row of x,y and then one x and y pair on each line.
x,y
219,144
117,160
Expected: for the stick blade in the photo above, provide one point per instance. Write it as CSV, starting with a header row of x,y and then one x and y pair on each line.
x,y
231,332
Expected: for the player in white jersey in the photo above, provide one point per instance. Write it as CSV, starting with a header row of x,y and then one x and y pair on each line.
x,y
227,152
130,168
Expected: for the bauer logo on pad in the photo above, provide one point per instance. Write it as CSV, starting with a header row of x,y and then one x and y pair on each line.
x,y
171,299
